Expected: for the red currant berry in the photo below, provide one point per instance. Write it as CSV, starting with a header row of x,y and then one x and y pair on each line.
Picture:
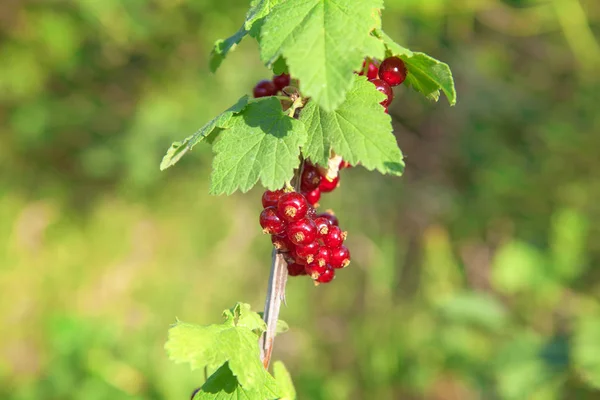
x,y
323,225
265,88
334,238
331,217
310,178
326,276
308,251
344,164
384,88
340,257
393,71
323,256
281,81
315,270
327,186
296,269
271,222
282,243
271,197
302,232
292,206
373,70
313,196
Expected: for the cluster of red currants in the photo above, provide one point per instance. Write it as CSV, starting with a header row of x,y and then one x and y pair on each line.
x,y
272,87
311,243
391,72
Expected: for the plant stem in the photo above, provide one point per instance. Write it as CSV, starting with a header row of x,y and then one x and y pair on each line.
x,y
277,281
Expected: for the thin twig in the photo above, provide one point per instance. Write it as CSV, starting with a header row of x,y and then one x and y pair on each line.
x,y
275,295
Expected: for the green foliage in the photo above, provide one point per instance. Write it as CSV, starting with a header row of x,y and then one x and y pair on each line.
x,y
230,349
323,42
359,130
263,143
284,381
222,121
428,75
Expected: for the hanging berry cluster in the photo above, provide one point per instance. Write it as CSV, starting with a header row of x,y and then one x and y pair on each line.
x,y
391,72
312,244
272,87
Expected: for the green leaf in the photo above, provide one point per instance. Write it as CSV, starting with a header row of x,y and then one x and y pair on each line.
x,y
259,9
224,46
586,349
518,267
392,48
281,326
428,75
262,143
284,381
223,385
213,345
179,149
474,308
425,74
359,130
242,315
568,243
323,42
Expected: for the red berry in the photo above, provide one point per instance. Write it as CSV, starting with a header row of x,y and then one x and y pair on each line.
x,y
323,256
393,71
310,178
296,269
265,88
315,270
302,232
384,88
271,197
292,206
282,243
308,251
313,196
271,222
373,70
323,225
332,218
344,164
340,257
334,238
327,186
326,276
281,81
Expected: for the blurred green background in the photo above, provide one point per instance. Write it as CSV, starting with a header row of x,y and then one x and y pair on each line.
x,y
475,276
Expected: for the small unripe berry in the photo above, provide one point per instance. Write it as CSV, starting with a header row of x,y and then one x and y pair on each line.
x,y
340,257
271,222
302,232
292,206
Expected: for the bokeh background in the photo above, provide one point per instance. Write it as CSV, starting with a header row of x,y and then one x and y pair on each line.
x,y
475,276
